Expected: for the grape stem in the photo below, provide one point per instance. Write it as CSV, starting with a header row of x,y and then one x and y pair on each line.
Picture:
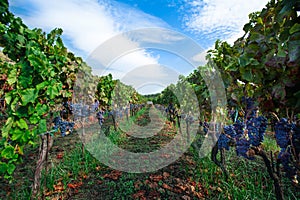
x,y
277,118
278,189
220,163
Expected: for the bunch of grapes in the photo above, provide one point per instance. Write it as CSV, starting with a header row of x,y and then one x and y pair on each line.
x,y
223,142
296,138
282,132
256,129
238,128
65,127
100,117
246,132
56,122
230,135
251,109
288,136
205,127
285,158
242,147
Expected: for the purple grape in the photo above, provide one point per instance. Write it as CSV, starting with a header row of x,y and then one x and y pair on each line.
x,y
282,133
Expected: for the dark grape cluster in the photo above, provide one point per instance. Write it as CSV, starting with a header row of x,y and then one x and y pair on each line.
x,y
242,147
282,132
296,138
288,138
65,127
239,127
205,125
256,129
228,139
251,109
223,142
285,157
100,117
245,132
229,130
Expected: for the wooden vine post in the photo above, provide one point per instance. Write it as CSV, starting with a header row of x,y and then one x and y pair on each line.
x,y
46,144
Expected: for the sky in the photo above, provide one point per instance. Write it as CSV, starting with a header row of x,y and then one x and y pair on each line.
x,y
144,43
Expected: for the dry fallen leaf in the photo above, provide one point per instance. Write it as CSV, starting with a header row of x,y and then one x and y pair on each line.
x,y
156,178
166,175
185,197
139,195
114,175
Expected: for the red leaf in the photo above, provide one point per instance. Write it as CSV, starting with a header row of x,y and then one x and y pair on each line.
x,y
74,185
139,195
59,155
156,178
165,186
114,175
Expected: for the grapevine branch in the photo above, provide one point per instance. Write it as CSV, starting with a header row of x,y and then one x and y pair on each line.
x,y
278,189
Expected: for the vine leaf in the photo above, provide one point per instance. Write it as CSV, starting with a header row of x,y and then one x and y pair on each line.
x,y
295,28
8,152
28,95
42,128
22,124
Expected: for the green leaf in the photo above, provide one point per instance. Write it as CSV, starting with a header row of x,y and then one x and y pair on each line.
x,y
297,94
36,60
12,76
22,124
257,37
247,27
279,91
28,135
11,168
8,152
287,6
8,97
28,95
247,75
3,167
281,52
34,119
294,50
42,128
6,128
244,60
54,91
22,111
14,103
41,109
17,134
42,85
21,38
295,28
259,20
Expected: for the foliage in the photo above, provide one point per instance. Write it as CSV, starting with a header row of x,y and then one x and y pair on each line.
x,y
122,94
264,63
104,92
41,75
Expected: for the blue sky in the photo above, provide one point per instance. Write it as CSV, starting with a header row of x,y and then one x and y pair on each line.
x,y
88,24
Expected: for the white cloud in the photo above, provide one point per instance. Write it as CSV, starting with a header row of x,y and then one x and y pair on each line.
x,y
219,19
147,76
87,24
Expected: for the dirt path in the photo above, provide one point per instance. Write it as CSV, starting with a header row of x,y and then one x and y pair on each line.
x,y
171,182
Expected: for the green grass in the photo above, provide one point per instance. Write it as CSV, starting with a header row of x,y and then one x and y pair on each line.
x,y
269,144
248,178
